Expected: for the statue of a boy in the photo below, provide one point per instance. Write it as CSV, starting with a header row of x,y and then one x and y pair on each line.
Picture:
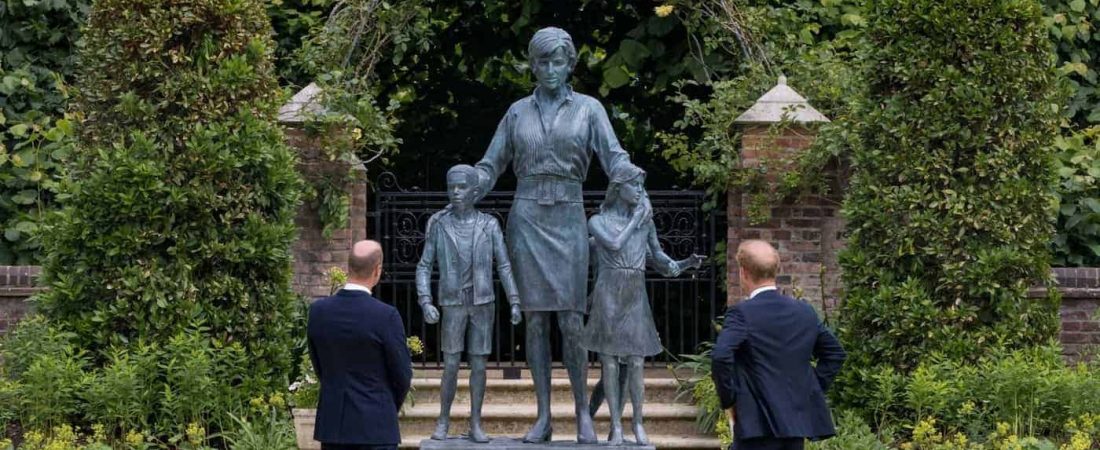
x,y
464,241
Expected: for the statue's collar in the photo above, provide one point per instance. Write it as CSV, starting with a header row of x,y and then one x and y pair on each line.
x,y
535,96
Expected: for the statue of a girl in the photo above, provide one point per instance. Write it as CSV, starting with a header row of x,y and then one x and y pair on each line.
x,y
620,326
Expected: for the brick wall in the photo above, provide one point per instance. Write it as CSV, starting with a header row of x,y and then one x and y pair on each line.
x,y
313,253
1080,288
17,283
807,231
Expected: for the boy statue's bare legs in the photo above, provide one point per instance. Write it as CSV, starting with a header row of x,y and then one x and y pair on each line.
x,y
477,397
447,394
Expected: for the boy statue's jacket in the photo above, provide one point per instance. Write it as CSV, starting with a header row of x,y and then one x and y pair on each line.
x,y
440,245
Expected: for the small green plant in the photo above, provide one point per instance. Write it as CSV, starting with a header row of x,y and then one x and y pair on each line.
x,y
266,430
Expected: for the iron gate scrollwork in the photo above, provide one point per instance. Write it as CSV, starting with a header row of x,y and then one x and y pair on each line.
x,y
684,308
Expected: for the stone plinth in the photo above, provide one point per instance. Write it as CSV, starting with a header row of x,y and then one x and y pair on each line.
x,y
517,444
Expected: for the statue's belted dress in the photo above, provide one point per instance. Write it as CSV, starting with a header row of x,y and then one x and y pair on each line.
x,y
547,233
621,321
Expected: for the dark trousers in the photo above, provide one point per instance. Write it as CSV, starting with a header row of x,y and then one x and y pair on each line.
x,y
325,446
769,444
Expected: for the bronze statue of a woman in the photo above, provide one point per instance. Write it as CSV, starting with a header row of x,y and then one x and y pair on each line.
x,y
548,139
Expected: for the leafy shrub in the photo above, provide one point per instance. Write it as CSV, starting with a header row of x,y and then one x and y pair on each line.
x,y
37,43
176,227
1074,27
852,433
1077,242
50,387
948,211
1031,391
122,394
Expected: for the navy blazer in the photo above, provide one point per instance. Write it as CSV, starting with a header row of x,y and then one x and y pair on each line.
x,y
357,345
761,366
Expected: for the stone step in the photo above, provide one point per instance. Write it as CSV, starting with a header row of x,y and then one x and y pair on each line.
x,y
661,419
521,370
522,391
658,441
412,435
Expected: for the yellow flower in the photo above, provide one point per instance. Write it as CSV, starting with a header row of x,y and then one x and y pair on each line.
x,y
1080,441
5,444
195,433
257,402
967,408
416,346
277,400
357,134
99,433
337,276
663,10
134,438
33,439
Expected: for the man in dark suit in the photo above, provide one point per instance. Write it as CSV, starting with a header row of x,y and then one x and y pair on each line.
x,y
761,365
357,344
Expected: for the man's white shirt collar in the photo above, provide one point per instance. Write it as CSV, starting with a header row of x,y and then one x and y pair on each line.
x,y
761,289
357,287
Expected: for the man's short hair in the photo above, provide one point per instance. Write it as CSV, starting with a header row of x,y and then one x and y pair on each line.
x,y
363,263
468,170
759,259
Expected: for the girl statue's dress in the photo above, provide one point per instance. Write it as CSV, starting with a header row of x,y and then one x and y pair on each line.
x,y
620,322
620,326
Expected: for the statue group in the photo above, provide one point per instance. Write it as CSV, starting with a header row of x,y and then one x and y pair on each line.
x,y
548,139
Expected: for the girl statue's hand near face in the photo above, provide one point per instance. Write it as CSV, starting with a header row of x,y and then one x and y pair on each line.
x,y
643,213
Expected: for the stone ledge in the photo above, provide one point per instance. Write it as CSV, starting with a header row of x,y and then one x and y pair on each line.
x,y
517,444
19,276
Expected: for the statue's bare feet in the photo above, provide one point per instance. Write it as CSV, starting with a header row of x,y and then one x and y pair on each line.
x,y
616,435
586,433
440,433
639,434
476,434
542,431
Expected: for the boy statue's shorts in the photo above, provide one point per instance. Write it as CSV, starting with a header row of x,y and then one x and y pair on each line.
x,y
470,325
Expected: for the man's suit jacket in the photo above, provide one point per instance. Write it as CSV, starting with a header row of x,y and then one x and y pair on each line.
x,y
761,367
357,345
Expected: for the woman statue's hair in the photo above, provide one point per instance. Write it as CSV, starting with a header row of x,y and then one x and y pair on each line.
x,y
548,39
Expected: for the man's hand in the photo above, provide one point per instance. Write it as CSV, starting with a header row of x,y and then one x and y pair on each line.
x,y
431,314
732,417
517,316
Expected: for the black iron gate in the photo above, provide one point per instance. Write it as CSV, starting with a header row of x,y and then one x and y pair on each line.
x,y
684,308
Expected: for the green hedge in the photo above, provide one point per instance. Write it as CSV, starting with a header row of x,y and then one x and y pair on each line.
x,y
949,210
178,219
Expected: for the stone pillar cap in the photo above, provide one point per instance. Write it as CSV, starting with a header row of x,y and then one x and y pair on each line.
x,y
305,106
780,104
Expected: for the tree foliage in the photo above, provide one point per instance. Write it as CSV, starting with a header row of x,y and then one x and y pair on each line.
x,y
37,48
179,216
948,212
458,65
1074,27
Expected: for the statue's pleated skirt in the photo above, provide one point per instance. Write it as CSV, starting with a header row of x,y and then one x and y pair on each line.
x,y
548,246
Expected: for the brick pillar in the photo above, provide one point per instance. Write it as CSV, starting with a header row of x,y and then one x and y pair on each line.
x,y
17,284
806,230
314,254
